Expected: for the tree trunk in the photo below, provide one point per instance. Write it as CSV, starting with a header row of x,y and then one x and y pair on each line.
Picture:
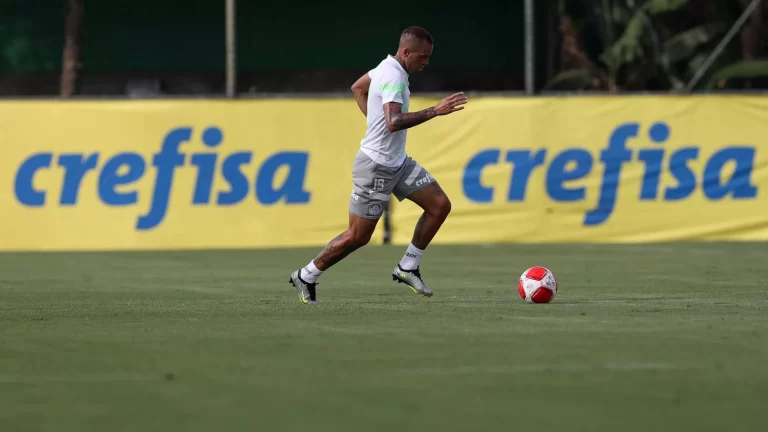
x,y
572,56
71,55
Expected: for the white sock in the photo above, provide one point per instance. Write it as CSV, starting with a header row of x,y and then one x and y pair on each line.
x,y
310,273
412,257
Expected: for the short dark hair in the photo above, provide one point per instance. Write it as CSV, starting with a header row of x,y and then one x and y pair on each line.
x,y
417,32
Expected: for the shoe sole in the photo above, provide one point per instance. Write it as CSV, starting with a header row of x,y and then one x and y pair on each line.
x,y
415,291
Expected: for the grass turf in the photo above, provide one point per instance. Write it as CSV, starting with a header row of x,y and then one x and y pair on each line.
x,y
653,337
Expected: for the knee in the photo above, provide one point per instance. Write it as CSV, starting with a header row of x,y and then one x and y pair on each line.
x,y
441,207
446,208
358,238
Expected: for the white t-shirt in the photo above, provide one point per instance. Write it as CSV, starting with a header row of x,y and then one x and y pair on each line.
x,y
389,83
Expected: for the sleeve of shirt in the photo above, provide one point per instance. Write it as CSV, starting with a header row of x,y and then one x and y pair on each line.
x,y
391,88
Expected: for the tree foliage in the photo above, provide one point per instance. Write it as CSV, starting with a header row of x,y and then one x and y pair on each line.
x,y
654,45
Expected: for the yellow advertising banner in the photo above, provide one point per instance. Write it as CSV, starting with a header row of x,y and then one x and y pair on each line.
x,y
114,175
599,169
175,174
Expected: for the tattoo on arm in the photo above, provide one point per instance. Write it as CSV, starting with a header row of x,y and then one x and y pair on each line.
x,y
397,120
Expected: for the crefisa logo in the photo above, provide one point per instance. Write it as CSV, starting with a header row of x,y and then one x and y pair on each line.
x,y
117,172
576,163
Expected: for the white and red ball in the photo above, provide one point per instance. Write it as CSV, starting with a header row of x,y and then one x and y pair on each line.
x,y
537,285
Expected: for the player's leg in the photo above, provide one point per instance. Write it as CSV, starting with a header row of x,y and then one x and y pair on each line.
x,y
357,235
419,186
436,205
372,186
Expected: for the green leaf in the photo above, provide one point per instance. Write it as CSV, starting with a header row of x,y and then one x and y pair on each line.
x,y
655,7
574,79
676,83
683,45
696,62
740,69
629,46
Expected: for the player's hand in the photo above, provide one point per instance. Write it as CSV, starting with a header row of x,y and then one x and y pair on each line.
x,y
451,104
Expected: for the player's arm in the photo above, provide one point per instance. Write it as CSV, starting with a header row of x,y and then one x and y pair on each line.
x,y
398,120
360,90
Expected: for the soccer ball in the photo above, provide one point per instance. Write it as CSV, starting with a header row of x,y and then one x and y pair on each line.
x,y
537,285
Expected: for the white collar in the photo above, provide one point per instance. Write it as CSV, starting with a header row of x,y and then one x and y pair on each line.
x,y
394,60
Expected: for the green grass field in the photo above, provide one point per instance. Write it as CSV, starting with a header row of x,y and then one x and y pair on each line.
x,y
640,338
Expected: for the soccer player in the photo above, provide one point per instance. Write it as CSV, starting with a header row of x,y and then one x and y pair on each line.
x,y
382,167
